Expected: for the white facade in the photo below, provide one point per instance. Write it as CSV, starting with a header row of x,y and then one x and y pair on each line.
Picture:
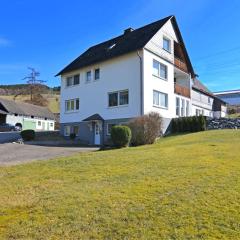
x,y
136,73
117,74
39,123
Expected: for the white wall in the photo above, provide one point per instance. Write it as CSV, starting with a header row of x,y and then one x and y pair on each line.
x,y
13,120
201,102
154,83
115,74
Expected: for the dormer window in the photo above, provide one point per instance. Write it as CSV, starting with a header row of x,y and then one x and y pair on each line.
x,y
167,44
112,46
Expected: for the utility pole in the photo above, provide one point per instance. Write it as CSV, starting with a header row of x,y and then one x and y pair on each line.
x,y
33,82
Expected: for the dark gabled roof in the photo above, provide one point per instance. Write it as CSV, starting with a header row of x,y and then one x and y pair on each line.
x,y
200,87
94,117
122,44
3,112
26,109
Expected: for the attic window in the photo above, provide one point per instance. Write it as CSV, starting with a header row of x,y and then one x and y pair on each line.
x,y
112,46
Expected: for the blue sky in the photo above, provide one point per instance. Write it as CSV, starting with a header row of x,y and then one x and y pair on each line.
x,y
48,34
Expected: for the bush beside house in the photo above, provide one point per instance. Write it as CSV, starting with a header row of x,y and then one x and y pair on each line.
x,y
146,129
121,136
189,124
28,135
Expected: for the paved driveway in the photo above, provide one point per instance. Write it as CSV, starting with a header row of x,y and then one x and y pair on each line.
x,y
11,154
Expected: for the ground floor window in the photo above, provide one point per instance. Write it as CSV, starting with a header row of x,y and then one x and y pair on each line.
x,y
67,130
160,99
51,124
109,127
183,108
178,106
39,123
76,130
187,108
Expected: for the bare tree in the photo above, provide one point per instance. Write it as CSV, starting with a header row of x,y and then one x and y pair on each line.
x,y
34,83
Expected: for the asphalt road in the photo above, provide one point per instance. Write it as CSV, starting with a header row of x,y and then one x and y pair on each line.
x,y
6,137
14,153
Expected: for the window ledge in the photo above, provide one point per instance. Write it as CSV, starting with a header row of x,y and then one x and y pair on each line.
x,y
69,112
164,108
67,87
164,79
170,52
119,106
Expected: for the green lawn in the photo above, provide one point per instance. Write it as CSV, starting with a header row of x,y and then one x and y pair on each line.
x,y
183,187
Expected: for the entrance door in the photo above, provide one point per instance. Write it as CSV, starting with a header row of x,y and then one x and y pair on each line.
x,y
97,134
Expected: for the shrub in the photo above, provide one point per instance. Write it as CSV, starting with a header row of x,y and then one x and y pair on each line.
x,y
121,136
146,129
28,135
72,136
189,124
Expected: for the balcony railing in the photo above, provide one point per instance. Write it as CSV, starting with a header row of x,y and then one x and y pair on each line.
x,y
183,91
180,64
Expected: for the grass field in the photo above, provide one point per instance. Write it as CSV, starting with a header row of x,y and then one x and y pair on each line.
x,y
183,187
53,100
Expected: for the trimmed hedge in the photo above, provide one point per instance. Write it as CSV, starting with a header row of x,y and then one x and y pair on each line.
x,y
189,124
28,135
121,136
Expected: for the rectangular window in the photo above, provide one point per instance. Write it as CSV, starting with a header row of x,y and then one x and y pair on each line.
x,y
39,123
76,79
187,108
88,76
51,124
166,44
178,106
77,104
67,130
119,98
72,105
97,74
113,99
109,127
69,81
209,100
73,80
123,97
160,99
160,70
183,108
76,130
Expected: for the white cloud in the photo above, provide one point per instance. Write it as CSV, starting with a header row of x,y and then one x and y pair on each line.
x,y
4,42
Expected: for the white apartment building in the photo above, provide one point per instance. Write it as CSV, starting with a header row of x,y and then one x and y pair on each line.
x,y
140,71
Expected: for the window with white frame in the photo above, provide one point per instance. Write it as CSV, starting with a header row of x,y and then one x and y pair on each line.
x,y
118,98
183,108
177,106
160,99
39,123
160,70
72,105
209,100
73,80
67,130
109,127
88,76
167,44
51,124
187,108
198,112
97,74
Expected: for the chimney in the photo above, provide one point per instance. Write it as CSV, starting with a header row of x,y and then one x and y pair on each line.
x,y
128,30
